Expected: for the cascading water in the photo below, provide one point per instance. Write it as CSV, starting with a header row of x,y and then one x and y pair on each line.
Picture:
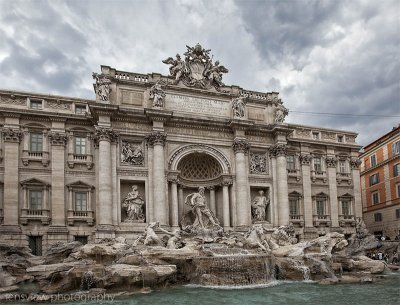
x,y
304,269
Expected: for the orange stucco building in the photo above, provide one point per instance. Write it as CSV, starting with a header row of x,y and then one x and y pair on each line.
x,y
380,184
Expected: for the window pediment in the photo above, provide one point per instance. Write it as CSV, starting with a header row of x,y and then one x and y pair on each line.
x,y
34,182
80,184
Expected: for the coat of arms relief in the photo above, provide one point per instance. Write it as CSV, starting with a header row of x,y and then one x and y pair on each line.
x,y
197,69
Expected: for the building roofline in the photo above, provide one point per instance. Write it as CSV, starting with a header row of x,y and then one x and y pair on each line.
x,y
381,139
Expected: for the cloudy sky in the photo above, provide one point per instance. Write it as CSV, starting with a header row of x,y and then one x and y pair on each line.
x,y
334,56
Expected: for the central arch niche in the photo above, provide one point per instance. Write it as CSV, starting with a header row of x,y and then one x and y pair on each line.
x,y
199,167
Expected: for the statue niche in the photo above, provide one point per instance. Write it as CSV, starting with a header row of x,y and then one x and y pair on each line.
x,y
133,204
260,207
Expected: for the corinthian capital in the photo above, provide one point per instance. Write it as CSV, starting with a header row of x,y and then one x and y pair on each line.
x,y
355,163
156,137
240,146
278,150
331,161
106,134
12,135
58,138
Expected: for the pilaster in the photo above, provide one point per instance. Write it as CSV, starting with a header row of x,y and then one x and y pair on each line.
x,y
305,160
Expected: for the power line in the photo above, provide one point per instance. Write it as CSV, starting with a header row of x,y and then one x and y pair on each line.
x,y
346,114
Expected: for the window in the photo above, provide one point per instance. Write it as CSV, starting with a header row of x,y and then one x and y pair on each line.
x,y
378,217
396,169
35,200
397,213
318,165
375,197
374,179
340,139
290,163
82,239
342,166
35,244
294,207
346,208
80,201
396,148
398,190
36,104
320,207
315,135
80,146
373,160
80,109
36,144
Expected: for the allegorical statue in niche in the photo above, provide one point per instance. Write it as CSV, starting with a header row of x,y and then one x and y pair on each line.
x,y
197,201
134,205
178,67
259,206
238,106
157,94
102,86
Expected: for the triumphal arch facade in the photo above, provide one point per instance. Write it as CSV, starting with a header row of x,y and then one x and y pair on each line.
x,y
150,143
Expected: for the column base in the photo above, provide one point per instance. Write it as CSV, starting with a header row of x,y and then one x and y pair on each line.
x,y
104,232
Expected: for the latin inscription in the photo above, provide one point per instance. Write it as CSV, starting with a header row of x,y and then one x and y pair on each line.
x,y
197,105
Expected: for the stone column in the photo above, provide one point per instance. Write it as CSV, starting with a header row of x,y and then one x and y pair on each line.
x,y
225,204
116,207
243,210
279,151
212,200
58,142
174,203
274,212
180,201
157,140
305,160
12,138
150,187
104,206
355,176
333,197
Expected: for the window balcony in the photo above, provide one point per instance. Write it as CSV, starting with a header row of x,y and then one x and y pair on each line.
x,y
35,156
80,216
318,175
296,220
294,173
84,159
345,220
343,177
32,214
322,220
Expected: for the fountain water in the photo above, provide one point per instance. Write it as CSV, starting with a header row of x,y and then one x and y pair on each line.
x,y
88,281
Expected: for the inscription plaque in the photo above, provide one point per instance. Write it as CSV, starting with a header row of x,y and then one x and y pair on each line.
x,y
197,105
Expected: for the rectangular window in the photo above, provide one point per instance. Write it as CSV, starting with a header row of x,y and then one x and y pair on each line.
x,y
36,144
80,109
346,208
397,213
375,197
35,244
82,239
342,166
340,139
398,190
373,160
318,165
294,207
396,148
374,179
35,200
80,146
290,163
321,207
80,201
35,104
378,217
315,135
396,170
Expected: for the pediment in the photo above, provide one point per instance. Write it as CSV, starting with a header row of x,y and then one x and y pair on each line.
x,y
34,181
79,184
295,194
321,195
347,195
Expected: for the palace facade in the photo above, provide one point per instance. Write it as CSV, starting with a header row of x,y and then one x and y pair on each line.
x,y
81,169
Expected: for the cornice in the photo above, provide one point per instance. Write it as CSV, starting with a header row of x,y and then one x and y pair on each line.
x,y
160,115
239,124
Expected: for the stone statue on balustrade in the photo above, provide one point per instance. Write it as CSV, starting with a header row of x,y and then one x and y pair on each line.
x,y
134,205
157,94
177,68
280,113
102,86
200,217
259,207
239,106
